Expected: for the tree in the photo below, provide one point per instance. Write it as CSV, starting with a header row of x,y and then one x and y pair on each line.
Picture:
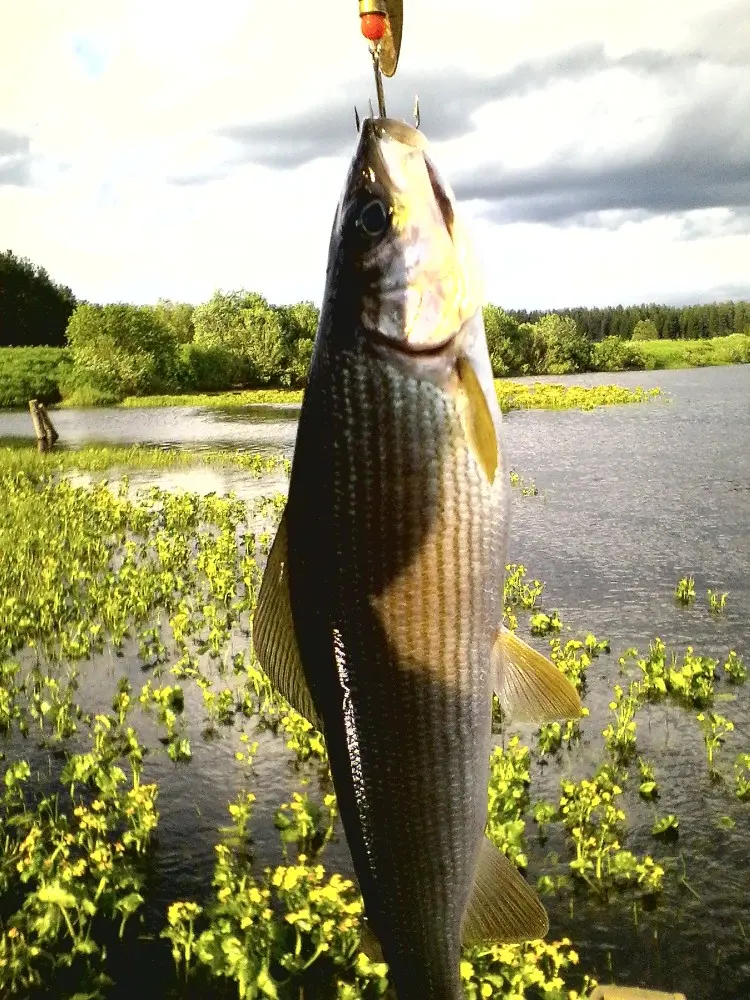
x,y
247,330
299,323
560,347
507,346
34,310
645,329
178,316
121,349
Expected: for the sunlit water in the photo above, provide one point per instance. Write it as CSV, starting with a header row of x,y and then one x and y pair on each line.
x,y
631,498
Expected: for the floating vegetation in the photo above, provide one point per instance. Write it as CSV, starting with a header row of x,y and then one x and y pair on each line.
x,y
553,396
527,486
511,395
242,397
155,593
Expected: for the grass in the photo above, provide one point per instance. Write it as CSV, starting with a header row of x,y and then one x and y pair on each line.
x,y
730,350
511,395
25,458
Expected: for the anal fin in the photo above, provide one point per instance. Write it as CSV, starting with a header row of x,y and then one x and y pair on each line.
x,y
503,908
529,686
274,637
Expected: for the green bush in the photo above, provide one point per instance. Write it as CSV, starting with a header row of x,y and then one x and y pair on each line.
x,y
204,369
32,373
616,355
122,350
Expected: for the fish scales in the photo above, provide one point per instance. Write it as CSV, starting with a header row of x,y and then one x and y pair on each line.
x,y
417,634
380,611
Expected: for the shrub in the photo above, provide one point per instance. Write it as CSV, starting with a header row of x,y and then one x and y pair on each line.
x,y
32,373
121,349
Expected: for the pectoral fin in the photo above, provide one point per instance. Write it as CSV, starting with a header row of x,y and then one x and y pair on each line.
x,y
476,418
274,637
503,907
529,686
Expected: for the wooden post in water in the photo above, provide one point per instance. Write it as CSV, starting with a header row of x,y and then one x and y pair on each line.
x,y
46,435
50,432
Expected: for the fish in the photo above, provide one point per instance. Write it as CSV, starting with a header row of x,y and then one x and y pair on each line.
x,y
379,615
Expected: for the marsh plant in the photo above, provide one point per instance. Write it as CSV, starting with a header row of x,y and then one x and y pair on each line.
x,y
717,602
160,589
685,590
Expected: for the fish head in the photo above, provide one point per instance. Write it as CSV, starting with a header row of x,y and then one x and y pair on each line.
x,y
399,248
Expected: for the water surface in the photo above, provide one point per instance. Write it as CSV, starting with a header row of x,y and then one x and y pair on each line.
x,y
631,498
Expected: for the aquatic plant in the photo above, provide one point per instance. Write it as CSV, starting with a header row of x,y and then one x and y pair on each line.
x,y
716,602
734,668
508,799
685,590
648,788
511,396
527,486
742,776
619,737
667,826
93,458
714,728
167,583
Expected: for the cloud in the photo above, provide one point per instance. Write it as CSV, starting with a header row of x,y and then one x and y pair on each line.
x,y
701,161
711,225
450,99
208,151
738,292
15,159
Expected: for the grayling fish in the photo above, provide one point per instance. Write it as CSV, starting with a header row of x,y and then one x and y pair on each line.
x,y
380,610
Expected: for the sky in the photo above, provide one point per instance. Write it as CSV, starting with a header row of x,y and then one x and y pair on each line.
x,y
599,152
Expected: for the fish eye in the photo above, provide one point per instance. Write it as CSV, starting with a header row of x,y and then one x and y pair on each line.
x,y
373,218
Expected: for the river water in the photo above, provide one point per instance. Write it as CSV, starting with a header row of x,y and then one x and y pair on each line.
x,y
631,498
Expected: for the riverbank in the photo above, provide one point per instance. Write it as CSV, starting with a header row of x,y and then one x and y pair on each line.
x,y
46,373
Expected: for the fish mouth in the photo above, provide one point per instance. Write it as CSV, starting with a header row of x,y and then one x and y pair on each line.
x,y
406,348
392,128
393,159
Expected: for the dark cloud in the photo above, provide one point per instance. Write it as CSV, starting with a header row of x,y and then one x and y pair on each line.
x,y
15,158
702,161
449,99
719,293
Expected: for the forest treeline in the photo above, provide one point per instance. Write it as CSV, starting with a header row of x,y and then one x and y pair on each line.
x,y
239,339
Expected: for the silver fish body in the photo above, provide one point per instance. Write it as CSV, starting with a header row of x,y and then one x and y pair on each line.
x,y
395,551
389,563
